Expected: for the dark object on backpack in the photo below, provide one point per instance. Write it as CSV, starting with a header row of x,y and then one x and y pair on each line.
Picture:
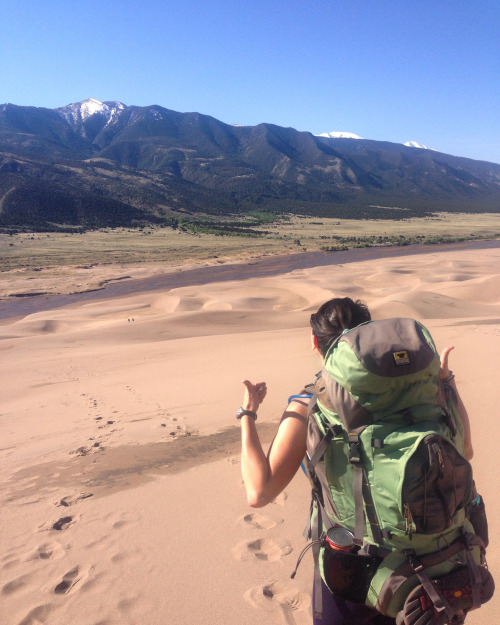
x,y
476,512
455,589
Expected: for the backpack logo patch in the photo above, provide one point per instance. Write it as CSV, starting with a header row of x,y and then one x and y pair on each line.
x,y
401,357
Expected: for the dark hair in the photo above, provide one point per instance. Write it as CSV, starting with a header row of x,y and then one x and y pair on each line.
x,y
335,316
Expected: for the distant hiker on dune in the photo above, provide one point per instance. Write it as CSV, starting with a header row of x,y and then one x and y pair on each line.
x,y
397,529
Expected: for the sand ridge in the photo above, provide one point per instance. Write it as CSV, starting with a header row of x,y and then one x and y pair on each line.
x,y
120,486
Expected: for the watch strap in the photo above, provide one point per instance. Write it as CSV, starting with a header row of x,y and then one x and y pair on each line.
x,y
242,412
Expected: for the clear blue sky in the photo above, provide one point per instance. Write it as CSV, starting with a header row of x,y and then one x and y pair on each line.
x,y
396,70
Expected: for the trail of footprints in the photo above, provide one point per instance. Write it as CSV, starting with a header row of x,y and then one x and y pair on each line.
x,y
106,427
59,530
277,595
77,577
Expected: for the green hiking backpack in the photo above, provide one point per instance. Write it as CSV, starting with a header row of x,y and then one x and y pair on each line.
x,y
385,457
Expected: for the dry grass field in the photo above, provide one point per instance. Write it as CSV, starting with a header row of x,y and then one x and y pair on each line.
x,y
58,261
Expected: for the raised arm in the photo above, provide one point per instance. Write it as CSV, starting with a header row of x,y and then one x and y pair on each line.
x,y
446,375
266,475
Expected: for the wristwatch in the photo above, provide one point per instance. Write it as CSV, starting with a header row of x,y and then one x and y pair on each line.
x,y
240,412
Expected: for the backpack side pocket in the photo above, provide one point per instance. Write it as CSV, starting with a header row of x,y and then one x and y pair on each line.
x,y
437,484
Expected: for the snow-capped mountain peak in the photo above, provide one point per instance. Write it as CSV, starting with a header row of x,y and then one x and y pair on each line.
x,y
420,146
339,135
90,107
77,113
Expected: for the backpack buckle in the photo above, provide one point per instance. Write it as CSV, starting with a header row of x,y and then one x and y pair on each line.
x,y
413,560
354,453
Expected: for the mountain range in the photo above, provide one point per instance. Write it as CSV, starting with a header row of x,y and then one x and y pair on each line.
x,y
104,163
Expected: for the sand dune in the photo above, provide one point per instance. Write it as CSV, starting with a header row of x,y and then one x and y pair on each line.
x,y
120,486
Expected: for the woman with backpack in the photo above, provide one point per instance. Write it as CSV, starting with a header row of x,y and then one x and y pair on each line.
x,y
266,475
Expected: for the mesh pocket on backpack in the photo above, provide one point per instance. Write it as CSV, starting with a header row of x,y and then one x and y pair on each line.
x,y
348,574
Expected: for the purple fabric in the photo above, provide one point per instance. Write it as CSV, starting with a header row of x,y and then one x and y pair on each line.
x,y
340,612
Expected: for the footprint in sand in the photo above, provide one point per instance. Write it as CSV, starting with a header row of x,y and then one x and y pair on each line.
x,y
68,581
261,521
63,523
37,615
261,549
9,562
278,596
48,551
69,500
81,451
121,556
118,524
15,584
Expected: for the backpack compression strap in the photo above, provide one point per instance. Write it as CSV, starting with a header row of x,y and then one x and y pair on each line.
x,y
362,495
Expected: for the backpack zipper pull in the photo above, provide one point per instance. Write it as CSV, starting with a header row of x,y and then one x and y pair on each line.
x,y
439,452
409,520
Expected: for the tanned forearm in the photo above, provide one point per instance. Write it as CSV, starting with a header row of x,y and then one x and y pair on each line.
x,y
254,464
